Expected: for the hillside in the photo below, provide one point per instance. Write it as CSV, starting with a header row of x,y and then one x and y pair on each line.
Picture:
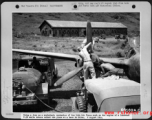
x,y
28,23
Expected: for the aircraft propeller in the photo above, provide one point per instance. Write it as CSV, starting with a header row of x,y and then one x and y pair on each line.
x,y
77,70
68,76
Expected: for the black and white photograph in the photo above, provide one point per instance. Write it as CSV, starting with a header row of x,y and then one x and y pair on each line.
x,y
83,62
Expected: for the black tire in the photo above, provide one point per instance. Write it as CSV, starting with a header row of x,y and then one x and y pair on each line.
x,y
81,103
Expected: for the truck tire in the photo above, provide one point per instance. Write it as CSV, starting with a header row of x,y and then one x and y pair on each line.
x,y
81,103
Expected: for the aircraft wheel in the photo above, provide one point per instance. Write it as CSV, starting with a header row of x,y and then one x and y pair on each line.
x,y
81,104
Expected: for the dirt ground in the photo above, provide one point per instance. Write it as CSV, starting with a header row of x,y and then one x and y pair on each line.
x,y
110,47
61,97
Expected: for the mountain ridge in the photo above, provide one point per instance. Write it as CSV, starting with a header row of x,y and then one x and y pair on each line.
x,y
28,23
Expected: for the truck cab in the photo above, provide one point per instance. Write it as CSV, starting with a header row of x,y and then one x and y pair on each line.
x,y
114,95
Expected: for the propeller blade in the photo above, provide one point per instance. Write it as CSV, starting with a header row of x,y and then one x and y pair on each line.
x,y
68,76
89,34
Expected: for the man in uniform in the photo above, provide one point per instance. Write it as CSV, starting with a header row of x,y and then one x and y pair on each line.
x,y
88,66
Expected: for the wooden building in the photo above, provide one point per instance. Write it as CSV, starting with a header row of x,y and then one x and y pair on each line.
x,y
58,28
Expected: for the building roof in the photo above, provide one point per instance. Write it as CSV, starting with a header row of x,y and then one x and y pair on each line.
x,y
83,24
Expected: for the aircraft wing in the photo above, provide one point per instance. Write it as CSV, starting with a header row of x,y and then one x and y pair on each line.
x,y
49,54
113,60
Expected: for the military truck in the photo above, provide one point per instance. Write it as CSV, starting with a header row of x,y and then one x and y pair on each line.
x,y
30,80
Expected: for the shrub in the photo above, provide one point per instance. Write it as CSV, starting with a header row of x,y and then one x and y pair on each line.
x,y
120,54
74,48
30,15
20,13
34,45
103,42
123,45
19,35
97,49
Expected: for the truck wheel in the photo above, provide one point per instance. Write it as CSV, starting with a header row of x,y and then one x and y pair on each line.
x,y
81,103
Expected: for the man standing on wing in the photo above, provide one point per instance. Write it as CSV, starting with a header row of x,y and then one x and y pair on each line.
x,y
88,66
93,56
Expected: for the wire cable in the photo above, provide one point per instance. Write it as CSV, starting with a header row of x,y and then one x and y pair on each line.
x,y
40,99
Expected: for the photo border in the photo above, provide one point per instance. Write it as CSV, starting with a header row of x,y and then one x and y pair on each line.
x,y
6,46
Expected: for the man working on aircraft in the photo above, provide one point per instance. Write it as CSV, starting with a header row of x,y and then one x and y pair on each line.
x,y
106,69
88,66
95,59
35,63
110,70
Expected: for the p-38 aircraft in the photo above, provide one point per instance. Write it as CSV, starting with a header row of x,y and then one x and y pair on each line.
x,y
100,93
